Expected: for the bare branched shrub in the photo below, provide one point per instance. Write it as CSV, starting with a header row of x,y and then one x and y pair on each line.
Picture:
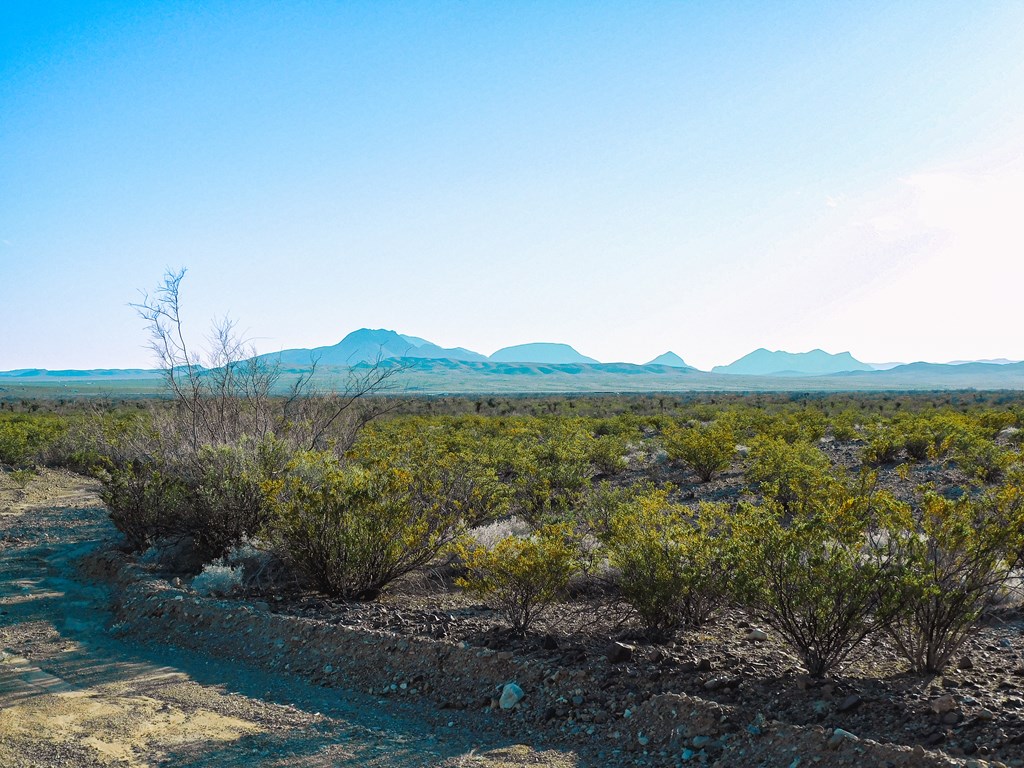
x,y
198,468
229,392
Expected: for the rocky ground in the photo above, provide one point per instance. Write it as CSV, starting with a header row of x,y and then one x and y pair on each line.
x,y
975,709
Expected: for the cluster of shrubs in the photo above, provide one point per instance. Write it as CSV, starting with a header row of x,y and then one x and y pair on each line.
x,y
350,523
826,565
824,556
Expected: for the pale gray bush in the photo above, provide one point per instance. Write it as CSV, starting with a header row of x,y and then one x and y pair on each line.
x,y
488,536
218,580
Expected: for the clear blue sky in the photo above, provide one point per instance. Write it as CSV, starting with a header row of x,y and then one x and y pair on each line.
x,y
624,177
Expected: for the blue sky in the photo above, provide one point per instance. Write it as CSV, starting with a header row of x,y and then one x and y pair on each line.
x,y
624,177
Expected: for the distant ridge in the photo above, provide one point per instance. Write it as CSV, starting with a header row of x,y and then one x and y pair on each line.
x,y
93,373
448,376
670,359
954,369
556,354
817,362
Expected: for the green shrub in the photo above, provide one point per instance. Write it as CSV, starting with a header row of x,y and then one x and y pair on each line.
x,y
215,498
991,423
521,578
551,474
704,449
844,425
227,498
353,530
608,454
24,438
918,443
674,563
604,502
99,441
790,474
805,425
947,428
954,558
145,503
821,581
980,458
884,443
456,461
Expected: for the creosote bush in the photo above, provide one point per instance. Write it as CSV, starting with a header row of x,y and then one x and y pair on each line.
x,y
705,449
521,576
673,562
823,579
352,530
980,458
954,557
792,475
884,443
552,472
215,498
145,502
608,454
25,438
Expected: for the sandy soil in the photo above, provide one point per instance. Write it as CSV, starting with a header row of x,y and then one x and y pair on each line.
x,y
71,694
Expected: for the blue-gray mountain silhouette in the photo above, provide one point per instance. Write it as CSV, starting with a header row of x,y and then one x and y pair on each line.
x,y
367,346
762,362
540,352
670,359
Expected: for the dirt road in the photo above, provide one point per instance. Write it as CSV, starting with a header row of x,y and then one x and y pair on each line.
x,y
73,694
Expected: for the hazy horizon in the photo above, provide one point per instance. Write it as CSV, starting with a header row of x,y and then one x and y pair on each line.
x,y
628,179
882,365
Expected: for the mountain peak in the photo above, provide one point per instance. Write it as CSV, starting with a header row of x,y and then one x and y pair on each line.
x,y
540,352
368,345
670,359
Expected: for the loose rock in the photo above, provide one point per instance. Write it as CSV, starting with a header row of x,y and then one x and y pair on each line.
x,y
511,695
942,704
839,736
619,653
850,702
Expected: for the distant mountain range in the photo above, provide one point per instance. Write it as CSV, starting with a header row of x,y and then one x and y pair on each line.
x,y
368,345
555,367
